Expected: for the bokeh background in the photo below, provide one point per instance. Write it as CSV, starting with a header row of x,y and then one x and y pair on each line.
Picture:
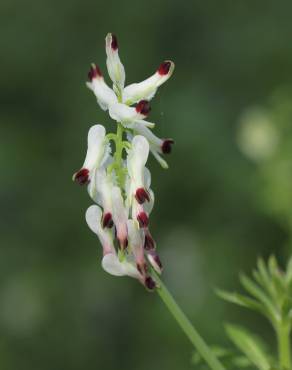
x,y
225,200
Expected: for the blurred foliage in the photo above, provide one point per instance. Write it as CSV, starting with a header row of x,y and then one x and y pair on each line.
x,y
269,294
217,209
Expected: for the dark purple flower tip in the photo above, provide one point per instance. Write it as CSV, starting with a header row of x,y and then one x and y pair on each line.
x,y
107,220
149,243
156,259
82,176
142,268
94,72
142,195
150,283
114,43
143,219
143,107
166,146
164,68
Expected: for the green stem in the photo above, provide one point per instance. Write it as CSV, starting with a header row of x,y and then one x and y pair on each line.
x,y
118,155
188,328
283,336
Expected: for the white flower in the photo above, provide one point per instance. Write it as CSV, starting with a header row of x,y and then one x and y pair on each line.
x,y
97,153
136,160
130,116
115,68
104,94
147,88
93,218
100,191
110,261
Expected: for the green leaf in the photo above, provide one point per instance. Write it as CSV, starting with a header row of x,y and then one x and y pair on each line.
x,y
240,300
265,277
258,293
250,345
289,271
229,358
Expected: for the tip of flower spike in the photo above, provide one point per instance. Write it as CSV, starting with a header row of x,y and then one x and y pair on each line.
x,y
107,220
82,176
143,219
164,67
166,146
143,107
142,195
114,42
94,72
150,283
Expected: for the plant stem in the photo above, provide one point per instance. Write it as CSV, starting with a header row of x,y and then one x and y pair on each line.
x,y
118,154
188,328
283,336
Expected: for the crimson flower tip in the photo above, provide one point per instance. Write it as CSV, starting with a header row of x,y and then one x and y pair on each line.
x,y
82,176
164,68
142,195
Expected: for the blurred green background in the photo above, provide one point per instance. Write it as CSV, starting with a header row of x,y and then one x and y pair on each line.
x,y
225,200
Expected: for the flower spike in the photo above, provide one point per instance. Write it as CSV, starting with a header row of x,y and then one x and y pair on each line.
x,y
119,182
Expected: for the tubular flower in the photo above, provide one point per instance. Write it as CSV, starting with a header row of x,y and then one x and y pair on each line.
x,y
118,181
97,151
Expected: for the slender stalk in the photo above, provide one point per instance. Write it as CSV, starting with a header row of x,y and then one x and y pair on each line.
x,y
188,328
118,154
283,337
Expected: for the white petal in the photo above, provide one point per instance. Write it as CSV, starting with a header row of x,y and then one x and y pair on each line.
x,y
103,185
159,159
143,123
96,147
113,266
124,114
120,215
93,218
115,68
136,160
104,94
147,88
136,241
155,261
148,206
154,142
147,178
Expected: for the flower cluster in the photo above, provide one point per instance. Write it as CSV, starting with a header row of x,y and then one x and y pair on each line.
x,y
119,184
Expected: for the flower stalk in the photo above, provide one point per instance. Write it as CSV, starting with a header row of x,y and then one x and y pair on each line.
x,y
283,337
185,324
